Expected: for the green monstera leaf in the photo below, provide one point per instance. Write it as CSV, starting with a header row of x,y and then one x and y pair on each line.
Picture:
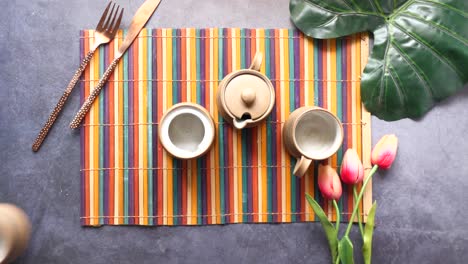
x,y
420,53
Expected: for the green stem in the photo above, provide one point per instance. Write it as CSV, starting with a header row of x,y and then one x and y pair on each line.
x,y
359,211
337,260
366,181
338,216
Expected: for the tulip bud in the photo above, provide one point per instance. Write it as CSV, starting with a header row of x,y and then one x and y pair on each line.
x,y
352,171
384,152
329,183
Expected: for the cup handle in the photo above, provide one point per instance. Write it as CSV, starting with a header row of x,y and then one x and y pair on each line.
x,y
257,61
301,166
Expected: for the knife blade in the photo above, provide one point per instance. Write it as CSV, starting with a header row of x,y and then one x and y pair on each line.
x,y
142,16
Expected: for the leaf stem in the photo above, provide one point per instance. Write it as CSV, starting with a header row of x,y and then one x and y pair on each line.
x,y
366,181
338,216
359,211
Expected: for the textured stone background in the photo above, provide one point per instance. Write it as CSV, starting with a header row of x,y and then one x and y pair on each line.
x,y
422,200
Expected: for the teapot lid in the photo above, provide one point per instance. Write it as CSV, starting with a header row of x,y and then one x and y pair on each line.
x,y
248,95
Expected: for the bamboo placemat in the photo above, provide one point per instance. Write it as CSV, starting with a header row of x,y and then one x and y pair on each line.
x,y
127,177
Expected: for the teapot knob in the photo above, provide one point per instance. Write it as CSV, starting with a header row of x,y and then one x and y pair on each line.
x,y
248,96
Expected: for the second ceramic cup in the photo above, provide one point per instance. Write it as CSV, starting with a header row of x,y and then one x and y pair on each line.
x,y
311,133
186,131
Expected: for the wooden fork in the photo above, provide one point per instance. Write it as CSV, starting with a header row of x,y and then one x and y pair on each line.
x,y
105,31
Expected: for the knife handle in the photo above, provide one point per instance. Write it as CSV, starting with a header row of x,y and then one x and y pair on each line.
x,y
93,95
58,108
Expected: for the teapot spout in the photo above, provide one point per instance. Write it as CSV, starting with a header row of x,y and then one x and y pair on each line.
x,y
240,124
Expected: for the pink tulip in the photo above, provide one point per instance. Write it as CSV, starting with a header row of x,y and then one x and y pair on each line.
x,y
352,171
329,183
384,152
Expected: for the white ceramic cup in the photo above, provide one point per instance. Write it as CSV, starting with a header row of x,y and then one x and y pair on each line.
x,y
186,131
311,133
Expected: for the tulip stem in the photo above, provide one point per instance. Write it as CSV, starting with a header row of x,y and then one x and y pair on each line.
x,y
366,181
359,211
338,216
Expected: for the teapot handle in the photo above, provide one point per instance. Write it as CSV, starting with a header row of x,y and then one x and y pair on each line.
x,y
257,61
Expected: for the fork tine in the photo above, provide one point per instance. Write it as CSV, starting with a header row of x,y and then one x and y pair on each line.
x,y
111,24
103,17
116,26
109,17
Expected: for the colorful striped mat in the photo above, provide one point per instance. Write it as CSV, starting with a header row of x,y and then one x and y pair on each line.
x,y
127,177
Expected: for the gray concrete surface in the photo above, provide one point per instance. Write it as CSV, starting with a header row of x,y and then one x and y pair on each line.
x,y
423,208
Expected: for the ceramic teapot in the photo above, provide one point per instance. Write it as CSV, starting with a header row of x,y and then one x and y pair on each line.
x,y
246,97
